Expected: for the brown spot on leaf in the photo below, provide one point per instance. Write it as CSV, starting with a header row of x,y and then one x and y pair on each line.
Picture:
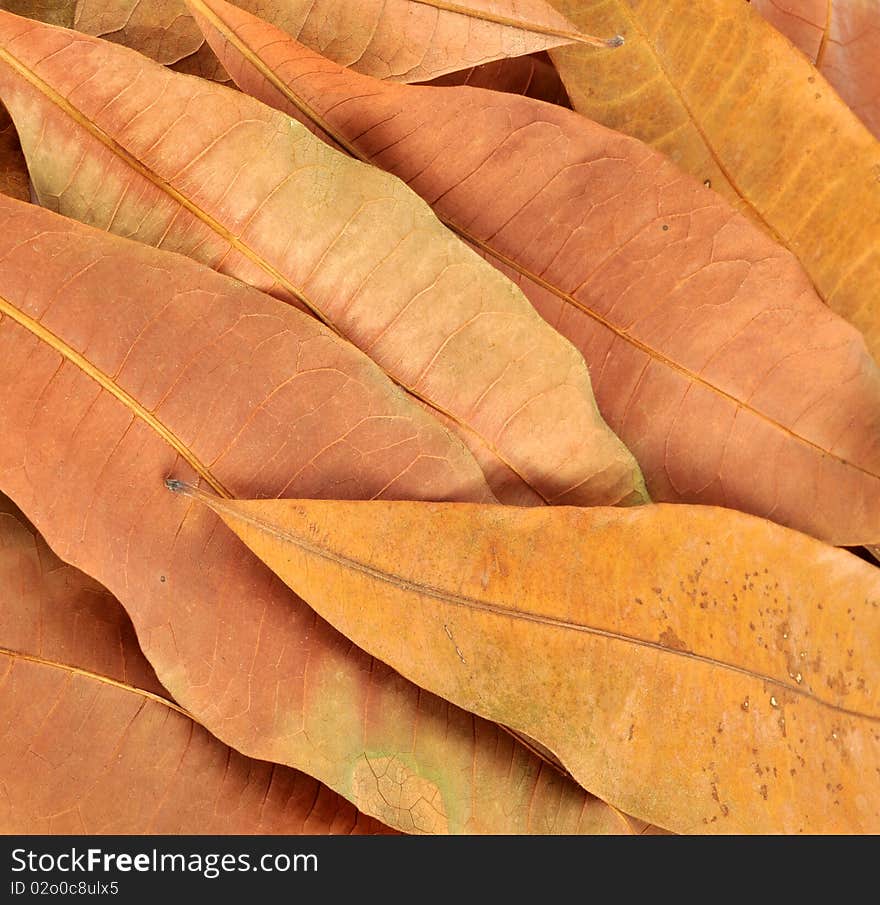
x,y
672,641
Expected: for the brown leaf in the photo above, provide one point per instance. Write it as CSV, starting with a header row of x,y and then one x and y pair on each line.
x,y
14,179
52,12
843,40
52,611
160,29
733,103
154,364
407,40
711,356
98,746
702,669
252,193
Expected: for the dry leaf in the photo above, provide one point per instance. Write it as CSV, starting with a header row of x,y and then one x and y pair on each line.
x,y
612,637
710,354
161,29
419,40
155,364
732,102
252,193
843,40
97,744
434,38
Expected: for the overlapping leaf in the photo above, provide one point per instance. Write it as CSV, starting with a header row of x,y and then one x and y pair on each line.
x,y
120,364
91,743
419,40
710,354
843,40
448,38
612,637
734,104
124,144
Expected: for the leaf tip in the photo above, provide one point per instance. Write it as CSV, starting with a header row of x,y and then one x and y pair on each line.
x,y
176,486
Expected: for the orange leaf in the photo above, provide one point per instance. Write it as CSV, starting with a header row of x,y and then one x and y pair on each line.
x,y
843,41
702,669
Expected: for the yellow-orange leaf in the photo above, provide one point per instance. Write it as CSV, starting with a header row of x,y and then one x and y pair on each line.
x,y
735,104
702,669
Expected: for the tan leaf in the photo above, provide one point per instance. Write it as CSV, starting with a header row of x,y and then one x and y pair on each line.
x,y
253,194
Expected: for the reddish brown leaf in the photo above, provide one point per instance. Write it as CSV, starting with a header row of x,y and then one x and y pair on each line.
x,y
711,356
97,745
154,364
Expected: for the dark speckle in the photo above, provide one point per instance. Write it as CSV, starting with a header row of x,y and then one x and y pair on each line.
x,y
671,640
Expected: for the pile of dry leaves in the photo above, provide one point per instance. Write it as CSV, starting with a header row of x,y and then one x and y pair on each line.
x,y
543,395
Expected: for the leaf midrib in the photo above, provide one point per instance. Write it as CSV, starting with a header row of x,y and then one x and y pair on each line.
x,y
97,677
129,159
575,37
445,596
307,110
42,333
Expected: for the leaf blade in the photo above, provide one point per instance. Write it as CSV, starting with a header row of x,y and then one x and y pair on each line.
x,y
842,40
753,117
55,620
569,624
